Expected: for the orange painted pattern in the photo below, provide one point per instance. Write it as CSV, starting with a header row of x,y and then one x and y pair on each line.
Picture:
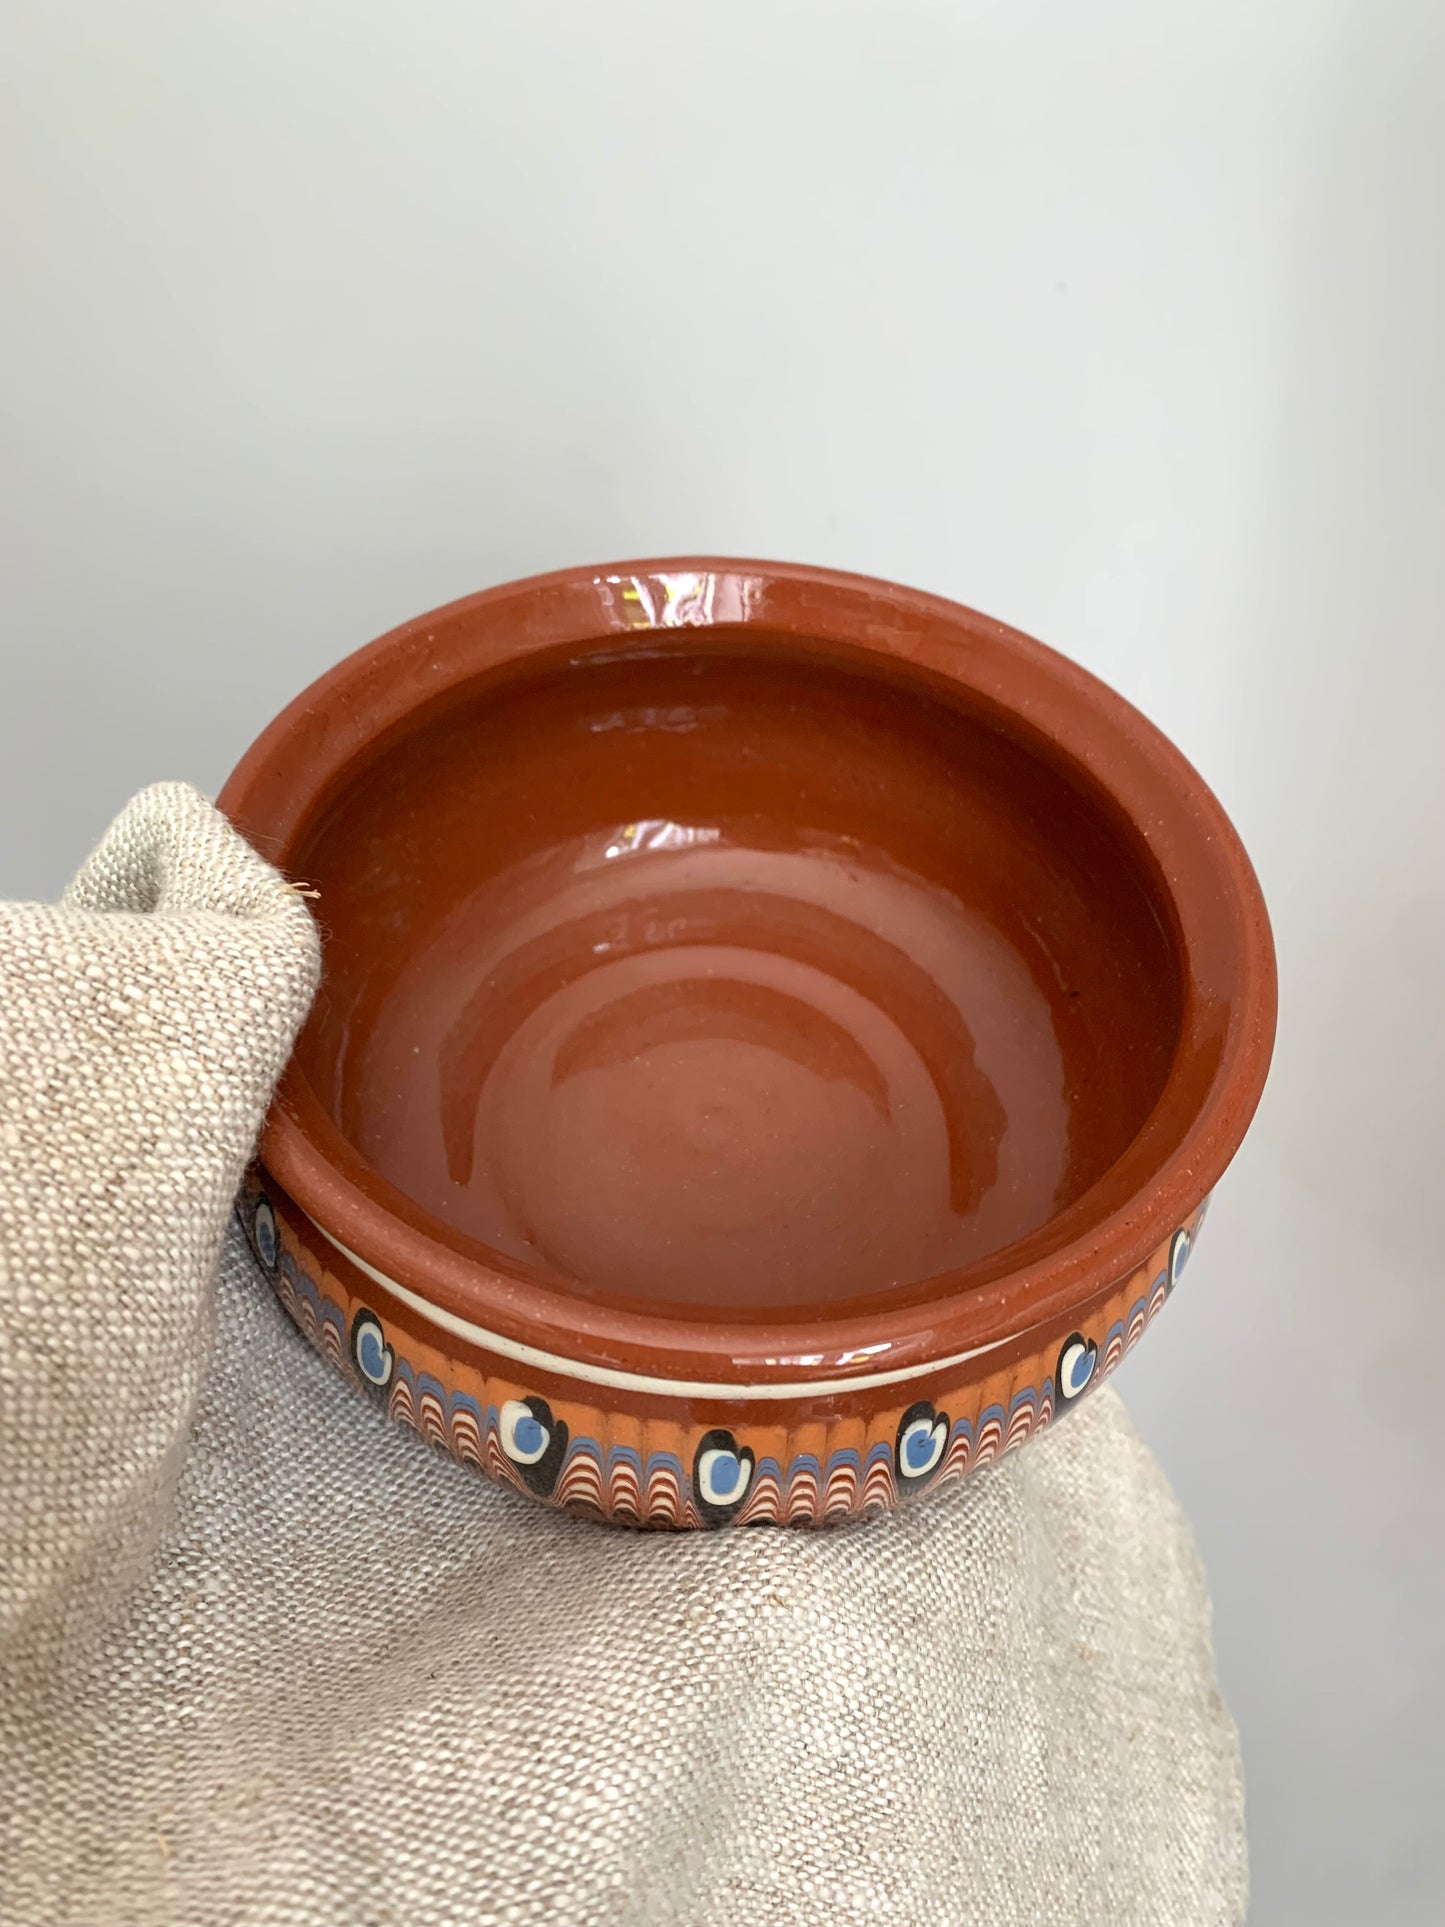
x,y
691,1467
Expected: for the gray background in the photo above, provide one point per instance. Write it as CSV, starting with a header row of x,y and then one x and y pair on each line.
x,y
1124,322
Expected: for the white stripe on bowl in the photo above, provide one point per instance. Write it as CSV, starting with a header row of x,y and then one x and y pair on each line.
x,y
639,1381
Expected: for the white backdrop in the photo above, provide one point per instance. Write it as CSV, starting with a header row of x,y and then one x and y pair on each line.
x,y
1122,321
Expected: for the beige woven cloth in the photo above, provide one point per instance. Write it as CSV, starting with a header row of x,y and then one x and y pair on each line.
x,y
264,1658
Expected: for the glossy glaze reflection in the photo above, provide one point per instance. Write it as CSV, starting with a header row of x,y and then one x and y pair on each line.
x,y
703,979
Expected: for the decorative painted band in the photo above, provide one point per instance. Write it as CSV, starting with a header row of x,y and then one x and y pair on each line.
x,y
559,1439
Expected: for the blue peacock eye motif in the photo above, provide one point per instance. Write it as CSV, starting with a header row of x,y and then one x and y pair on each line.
x,y
1077,1358
534,1441
370,1353
264,1239
1180,1246
919,1447
722,1471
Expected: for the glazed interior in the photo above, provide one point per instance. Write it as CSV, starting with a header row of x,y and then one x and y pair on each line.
x,y
721,974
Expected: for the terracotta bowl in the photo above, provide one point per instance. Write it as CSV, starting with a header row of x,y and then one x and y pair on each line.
x,y
778,1036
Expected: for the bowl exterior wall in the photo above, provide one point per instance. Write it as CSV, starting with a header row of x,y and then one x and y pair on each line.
x,y
647,1453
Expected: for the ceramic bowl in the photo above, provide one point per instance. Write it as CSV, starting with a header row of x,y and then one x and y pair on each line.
x,y
779,1032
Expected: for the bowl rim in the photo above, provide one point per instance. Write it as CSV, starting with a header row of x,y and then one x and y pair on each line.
x,y
1220,936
